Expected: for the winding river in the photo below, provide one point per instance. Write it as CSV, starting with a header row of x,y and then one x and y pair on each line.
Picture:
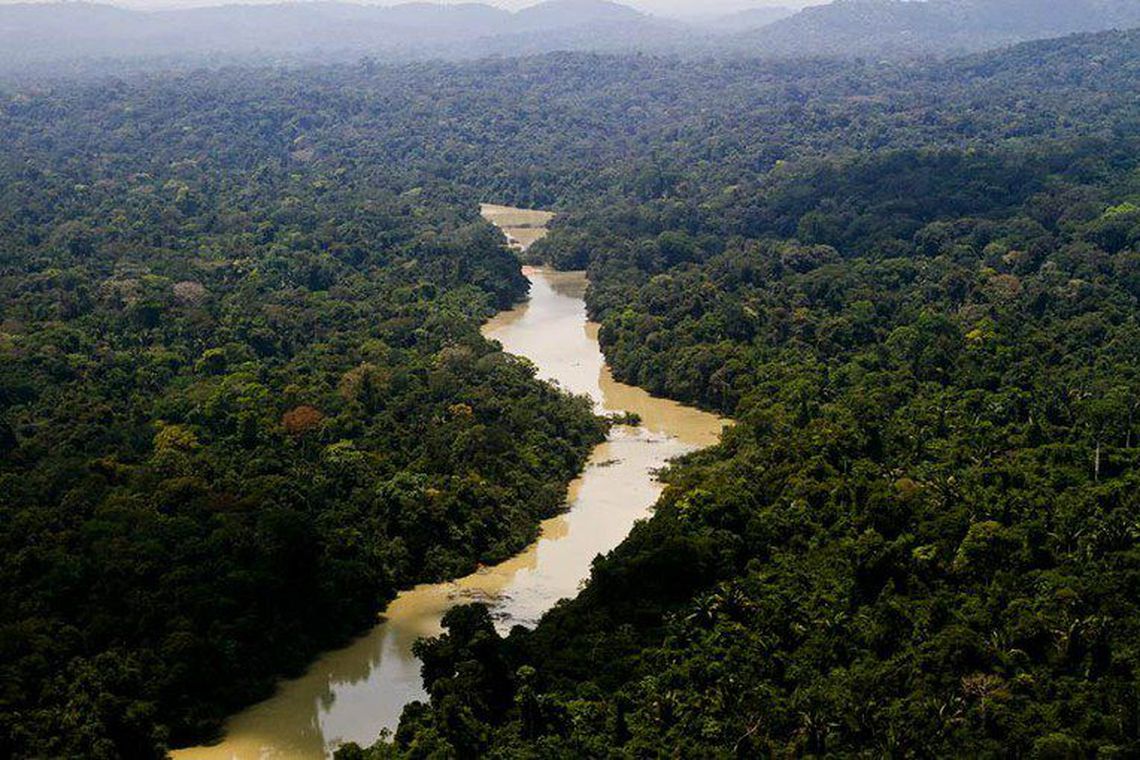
x,y
353,693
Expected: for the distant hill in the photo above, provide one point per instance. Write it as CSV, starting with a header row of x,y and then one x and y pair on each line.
x,y
562,14
752,18
43,37
31,34
898,27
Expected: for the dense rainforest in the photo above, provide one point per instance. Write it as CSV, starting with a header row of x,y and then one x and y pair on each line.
x,y
243,398
921,537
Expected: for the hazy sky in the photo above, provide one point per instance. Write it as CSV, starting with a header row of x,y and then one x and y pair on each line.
x,y
657,7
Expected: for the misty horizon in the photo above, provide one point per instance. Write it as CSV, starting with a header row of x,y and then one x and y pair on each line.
x,y
663,8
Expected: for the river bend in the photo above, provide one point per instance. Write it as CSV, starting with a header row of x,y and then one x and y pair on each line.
x,y
351,694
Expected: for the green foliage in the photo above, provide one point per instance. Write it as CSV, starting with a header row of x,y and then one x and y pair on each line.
x,y
243,400
920,538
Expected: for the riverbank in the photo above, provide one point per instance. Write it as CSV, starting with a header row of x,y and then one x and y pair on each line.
x,y
353,693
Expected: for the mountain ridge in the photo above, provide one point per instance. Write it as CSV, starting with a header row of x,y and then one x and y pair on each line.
x,y
33,34
943,27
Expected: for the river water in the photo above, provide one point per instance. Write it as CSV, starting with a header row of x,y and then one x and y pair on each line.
x,y
351,694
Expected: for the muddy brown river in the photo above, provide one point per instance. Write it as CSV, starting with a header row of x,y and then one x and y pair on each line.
x,y
352,694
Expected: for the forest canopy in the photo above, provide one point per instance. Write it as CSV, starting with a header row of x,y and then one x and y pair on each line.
x,y
920,537
243,398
